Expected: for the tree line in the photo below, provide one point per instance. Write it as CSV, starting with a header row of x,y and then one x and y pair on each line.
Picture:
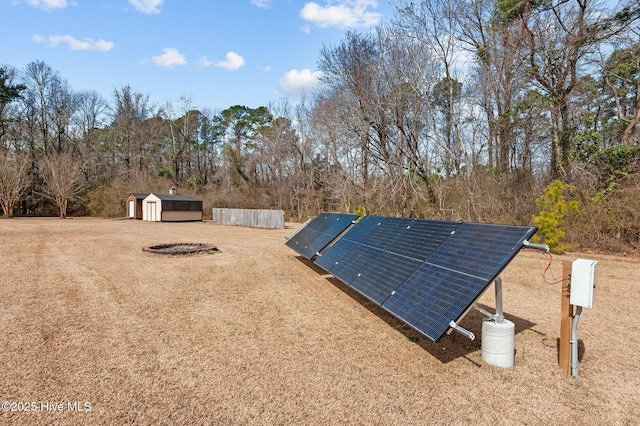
x,y
463,109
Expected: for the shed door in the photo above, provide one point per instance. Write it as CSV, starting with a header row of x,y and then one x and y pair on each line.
x,y
151,211
132,208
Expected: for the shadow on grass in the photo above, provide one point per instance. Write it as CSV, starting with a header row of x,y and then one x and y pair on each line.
x,y
450,346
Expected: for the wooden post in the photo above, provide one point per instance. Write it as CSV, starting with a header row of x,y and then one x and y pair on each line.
x,y
566,315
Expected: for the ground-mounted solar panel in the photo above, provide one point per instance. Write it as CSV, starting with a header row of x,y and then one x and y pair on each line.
x,y
386,231
366,241
422,238
443,288
302,238
386,254
318,233
433,297
383,273
481,249
338,250
405,244
427,273
337,223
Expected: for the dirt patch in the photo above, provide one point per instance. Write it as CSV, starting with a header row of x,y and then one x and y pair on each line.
x,y
256,334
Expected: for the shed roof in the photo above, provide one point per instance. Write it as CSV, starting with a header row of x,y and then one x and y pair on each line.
x,y
138,196
177,197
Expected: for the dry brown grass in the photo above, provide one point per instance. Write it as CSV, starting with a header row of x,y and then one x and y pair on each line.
x,y
255,335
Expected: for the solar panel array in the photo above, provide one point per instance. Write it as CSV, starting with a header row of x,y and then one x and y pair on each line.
x,y
318,233
425,272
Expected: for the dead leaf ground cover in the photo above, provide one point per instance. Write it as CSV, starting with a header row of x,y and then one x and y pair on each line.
x,y
253,334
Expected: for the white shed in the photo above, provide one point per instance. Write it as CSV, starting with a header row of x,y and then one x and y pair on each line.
x,y
171,208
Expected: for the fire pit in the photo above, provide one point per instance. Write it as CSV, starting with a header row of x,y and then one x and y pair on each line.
x,y
174,249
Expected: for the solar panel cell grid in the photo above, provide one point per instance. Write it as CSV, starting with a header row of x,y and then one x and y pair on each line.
x,y
422,238
480,249
341,248
385,232
432,297
335,224
385,274
355,262
319,232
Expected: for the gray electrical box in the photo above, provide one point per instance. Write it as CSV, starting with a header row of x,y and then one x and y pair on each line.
x,y
583,282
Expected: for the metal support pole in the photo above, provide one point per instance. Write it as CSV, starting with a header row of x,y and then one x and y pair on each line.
x,y
499,317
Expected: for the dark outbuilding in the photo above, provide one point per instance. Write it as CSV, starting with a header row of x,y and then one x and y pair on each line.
x,y
172,208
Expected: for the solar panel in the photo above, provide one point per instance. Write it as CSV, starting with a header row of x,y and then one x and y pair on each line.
x,y
384,253
386,231
384,273
444,287
302,238
337,223
412,246
425,272
338,250
365,242
423,237
318,233
481,249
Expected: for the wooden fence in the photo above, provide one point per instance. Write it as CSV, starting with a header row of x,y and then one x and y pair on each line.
x,y
273,219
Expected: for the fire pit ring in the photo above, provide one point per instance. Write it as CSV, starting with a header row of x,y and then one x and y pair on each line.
x,y
176,249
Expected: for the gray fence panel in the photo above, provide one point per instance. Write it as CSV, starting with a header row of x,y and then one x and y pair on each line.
x,y
272,219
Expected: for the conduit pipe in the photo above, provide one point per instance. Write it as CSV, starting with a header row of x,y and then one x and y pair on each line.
x,y
574,342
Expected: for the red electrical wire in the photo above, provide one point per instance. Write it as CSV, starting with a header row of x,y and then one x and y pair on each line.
x,y
552,280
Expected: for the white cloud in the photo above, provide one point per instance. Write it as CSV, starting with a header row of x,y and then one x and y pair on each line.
x,y
295,83
49,4
169,58
74,44
261,3
347,14
204,62
151,7
232,63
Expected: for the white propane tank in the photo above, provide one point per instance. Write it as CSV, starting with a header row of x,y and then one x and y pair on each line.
x,y
498,341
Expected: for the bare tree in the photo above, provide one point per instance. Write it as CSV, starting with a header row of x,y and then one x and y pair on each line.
x,y
62,179
622,78
14,179
41,82
498,77
134,129
433,24
9,92
88,122
182,131
560,36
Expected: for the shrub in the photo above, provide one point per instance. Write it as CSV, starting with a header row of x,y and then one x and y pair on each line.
x,y
550,220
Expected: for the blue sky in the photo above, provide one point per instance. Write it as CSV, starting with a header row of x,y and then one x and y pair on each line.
x,y
219,53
